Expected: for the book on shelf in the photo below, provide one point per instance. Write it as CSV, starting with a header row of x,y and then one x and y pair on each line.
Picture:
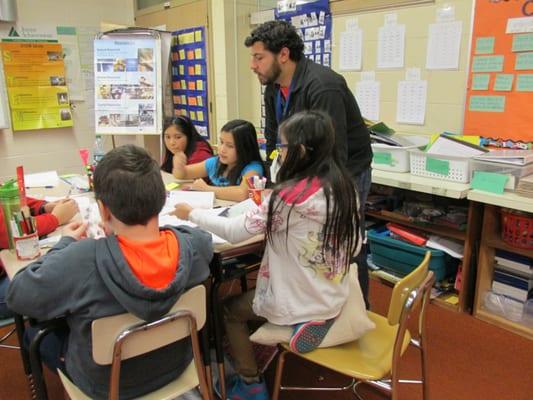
x,y
510,270
515,262
510,291
525,186
511,280
504,156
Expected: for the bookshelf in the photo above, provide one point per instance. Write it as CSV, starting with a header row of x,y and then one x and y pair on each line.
x,y
469,237
490,242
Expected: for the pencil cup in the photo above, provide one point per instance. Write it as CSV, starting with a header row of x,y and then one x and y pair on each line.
x,y
256,195
27,246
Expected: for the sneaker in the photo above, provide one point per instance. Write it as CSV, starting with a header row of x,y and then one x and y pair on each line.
x,y
238,389
307,336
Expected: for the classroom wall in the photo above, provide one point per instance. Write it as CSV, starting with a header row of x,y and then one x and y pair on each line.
x,y
57,149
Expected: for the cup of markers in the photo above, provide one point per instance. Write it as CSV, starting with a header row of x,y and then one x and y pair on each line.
x,y
25,236
256,189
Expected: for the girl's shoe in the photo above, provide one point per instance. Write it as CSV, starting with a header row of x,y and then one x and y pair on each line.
x,y
238,389
307,336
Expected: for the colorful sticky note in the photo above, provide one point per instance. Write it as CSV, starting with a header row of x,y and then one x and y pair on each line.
x,y
484,45
200,115
193,115
198,69
523,42
487,64
182,69
198,36
176,99
198,54
176,85
190,54
382,157
487,103
503,82
524,61
199,85
192,100
480,81
489,181
172,185
200,101
524,83
189,37
182,54
183,84
441,167
190,70
191,85
183,99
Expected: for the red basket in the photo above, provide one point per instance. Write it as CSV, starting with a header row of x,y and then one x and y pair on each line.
x,y
517,229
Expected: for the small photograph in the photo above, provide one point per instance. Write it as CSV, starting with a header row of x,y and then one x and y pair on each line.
x,y
65,114
117,91
146,115
145,58
57,81
119,65
103,121
117,120
131,65
104,91
132,120
54,55
62,98
145,82
105,65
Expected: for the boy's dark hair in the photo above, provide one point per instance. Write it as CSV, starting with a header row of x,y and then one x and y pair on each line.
x,y
128,181
184,125
275,35
311,153
245,139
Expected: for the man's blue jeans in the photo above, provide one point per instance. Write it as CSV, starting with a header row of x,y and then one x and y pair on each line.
x,y
362,183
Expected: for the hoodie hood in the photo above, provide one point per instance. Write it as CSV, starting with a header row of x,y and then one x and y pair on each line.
x,y
144,302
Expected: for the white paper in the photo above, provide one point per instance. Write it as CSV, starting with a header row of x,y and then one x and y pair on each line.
x,y
412,74
351,24
368,76
350,50
391,46
444,45
448,147
41,179
453,248
446,13
4,109
519,25
367,96
411,102
391,19
192,198
175,221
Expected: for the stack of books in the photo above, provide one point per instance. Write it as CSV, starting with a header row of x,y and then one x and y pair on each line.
x,y
513,276
525,186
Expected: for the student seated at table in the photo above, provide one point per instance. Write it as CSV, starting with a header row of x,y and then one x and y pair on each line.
x,y
180,136
311,226
48,216
238,159
137,268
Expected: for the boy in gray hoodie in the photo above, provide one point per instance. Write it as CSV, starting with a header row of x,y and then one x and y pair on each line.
x,y
137,268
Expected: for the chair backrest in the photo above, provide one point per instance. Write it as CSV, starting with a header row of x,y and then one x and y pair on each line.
x,y
404,287
168,329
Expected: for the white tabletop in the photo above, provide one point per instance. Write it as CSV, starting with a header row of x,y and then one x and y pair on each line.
x,y
509,200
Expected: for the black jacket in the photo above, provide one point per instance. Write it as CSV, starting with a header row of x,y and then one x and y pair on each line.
x,y
315,87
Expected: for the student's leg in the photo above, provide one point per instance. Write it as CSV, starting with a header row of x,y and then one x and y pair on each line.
x,y
237,312
363,182
4,311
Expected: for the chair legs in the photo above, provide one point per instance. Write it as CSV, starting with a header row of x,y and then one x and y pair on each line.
x,y
279,371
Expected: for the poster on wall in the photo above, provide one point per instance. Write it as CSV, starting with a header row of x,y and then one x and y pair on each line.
x,y
126,80
36,85
189,77
500,83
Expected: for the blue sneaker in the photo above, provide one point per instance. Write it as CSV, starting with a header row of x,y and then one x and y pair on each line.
x,y
307,336
238,389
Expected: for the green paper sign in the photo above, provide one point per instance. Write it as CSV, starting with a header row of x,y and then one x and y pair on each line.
x,y
441,167
480,81
382,158
484,45
503,82
524,83
487,103
523,42
489,182
487,64
524,61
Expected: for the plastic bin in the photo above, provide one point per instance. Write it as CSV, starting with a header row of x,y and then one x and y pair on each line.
x,y
395,158
458,171
401,257
515,172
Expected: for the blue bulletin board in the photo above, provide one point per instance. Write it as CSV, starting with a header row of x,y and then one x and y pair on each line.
x,y
189,77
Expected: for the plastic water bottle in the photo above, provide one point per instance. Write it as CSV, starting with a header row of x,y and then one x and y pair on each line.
x,y
98,149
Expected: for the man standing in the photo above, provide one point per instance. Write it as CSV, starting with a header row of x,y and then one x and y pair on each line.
x,y
294,83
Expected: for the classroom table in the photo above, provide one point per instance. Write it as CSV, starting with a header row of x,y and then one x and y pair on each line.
x,y
248,251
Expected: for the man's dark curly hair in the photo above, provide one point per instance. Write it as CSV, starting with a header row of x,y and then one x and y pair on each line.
x,y
275,35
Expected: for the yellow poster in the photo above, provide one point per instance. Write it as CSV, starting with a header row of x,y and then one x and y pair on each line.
x,y
36,85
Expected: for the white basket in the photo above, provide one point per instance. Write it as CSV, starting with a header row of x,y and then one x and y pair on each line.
x,y
399,157
459,170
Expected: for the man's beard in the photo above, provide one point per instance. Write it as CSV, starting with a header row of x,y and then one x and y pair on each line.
x,y
271,76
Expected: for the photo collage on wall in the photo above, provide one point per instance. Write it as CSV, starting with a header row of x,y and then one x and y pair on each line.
x,y
189,77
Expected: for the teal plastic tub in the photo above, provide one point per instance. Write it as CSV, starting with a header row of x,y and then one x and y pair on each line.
x,y
401,258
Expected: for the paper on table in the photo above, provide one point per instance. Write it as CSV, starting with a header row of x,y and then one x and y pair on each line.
x,y
41,179
175,221
194,199
449,147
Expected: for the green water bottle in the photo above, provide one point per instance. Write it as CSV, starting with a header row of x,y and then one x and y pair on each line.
x,y
10,203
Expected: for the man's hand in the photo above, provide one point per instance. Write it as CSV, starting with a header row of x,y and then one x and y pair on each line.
x,y
182,211
75,230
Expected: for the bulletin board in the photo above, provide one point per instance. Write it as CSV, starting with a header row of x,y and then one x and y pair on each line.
x,y
499,100
189,77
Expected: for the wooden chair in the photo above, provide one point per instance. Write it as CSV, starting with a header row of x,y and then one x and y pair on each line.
x,y
374,358
120,337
